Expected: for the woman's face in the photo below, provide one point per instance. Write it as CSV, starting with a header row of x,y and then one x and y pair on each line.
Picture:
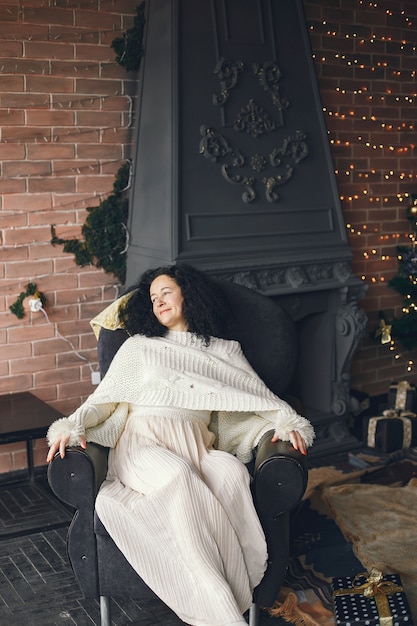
x,y
167,301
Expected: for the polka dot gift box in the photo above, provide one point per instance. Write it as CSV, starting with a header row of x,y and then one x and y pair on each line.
x,y
370,600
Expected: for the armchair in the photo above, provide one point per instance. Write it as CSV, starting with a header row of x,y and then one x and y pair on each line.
x,y
269,340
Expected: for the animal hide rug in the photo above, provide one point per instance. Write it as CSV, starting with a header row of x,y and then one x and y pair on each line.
x,y
381,523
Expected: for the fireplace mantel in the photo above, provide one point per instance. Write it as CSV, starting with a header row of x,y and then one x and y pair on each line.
x,y
325,307
233,173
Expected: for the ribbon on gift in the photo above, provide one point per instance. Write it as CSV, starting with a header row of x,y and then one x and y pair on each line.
x,y
404,416
403,388
377,588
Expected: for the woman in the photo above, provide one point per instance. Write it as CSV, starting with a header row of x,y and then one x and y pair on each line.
x,y
180,510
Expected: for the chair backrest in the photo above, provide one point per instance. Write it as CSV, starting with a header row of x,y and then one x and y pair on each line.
x,y
265,331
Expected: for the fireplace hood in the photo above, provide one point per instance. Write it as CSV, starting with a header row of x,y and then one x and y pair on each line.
x,y
233,174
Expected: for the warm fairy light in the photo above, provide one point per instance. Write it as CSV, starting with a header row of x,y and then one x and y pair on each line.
x,y
397,356
375,148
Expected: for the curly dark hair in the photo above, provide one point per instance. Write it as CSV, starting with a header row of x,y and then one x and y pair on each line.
x,y
205,309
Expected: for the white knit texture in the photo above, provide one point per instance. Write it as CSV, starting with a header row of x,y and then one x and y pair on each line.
x,y
179,371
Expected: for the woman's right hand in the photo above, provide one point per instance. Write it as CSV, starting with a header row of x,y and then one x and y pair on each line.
x,y
61,444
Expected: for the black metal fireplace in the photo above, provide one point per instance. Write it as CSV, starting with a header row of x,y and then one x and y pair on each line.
x,y
233,173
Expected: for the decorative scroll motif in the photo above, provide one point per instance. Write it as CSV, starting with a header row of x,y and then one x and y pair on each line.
x,y
342,272
295,277
275,181
269,75
214,146
325,275
254,120
294,147
341,396
228,72
247,181
350,324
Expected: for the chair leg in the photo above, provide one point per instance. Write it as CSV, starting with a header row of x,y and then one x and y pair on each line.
x,y
105,611
254,615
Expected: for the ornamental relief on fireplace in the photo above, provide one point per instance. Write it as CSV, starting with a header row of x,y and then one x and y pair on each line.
x,y
272,168
315,276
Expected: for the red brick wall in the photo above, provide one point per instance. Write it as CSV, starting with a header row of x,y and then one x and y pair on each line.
x,y
366,61
65,130
65,113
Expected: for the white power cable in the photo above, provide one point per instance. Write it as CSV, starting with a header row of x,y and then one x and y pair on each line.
x,y
36,305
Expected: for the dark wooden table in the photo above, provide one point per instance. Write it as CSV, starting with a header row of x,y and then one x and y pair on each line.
x,y
24,417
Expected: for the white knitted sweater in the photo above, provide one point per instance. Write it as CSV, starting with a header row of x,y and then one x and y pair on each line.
x,y
179,371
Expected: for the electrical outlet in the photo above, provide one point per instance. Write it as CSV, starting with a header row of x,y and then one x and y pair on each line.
x,y
35,304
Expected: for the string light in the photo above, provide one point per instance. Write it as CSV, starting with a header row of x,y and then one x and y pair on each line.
x,y
360,122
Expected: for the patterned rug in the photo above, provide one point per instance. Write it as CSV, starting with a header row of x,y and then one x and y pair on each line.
x,y
324,547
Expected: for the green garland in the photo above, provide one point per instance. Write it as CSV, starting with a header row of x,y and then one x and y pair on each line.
x,y
104,232
31,290
105,229
129,48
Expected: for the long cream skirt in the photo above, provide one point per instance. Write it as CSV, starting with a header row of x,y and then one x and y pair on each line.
x,y
182,514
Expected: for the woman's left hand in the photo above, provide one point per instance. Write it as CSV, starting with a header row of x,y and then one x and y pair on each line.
x,y
296,440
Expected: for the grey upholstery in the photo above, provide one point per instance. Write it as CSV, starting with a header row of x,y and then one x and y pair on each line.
x,y
268,338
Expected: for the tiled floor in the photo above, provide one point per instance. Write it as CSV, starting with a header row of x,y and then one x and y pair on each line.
x,y
37,586
30,507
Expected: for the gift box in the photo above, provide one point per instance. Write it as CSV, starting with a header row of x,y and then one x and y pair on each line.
x,y
370,599
390,431
402,396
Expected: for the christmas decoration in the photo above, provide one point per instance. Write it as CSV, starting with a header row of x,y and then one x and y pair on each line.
x,y
104,232
129,48
31,290
404,328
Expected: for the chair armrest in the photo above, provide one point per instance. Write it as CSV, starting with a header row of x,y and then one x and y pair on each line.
x,y
279,482
280,476
75,480
77,477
